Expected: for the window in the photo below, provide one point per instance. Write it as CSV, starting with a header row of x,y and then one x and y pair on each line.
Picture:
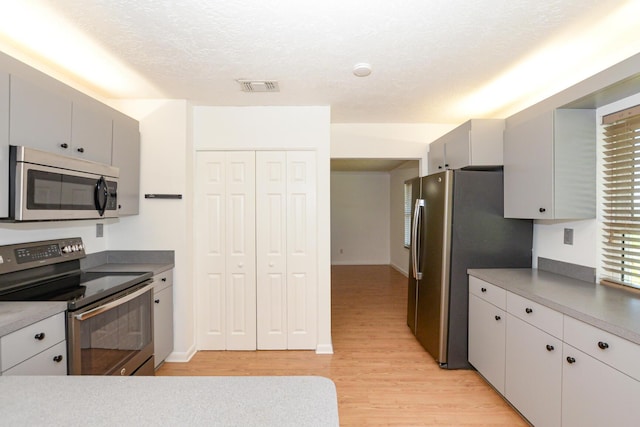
x,y
621,197
407,214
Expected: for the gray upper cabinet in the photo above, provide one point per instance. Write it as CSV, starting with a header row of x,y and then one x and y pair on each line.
x,y
550,166
91,131
4,142
477,142
126,156
39,116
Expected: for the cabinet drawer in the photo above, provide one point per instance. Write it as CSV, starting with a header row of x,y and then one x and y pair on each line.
x,y
162,280
608,348
52,361
535,314
488,292
23,344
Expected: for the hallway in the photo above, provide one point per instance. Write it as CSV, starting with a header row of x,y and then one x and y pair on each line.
x,y
382,374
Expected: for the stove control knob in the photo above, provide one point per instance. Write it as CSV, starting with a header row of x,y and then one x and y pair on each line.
x,y
80,247
66,249
75,248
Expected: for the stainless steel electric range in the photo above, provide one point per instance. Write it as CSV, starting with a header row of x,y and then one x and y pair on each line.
x,y
109,315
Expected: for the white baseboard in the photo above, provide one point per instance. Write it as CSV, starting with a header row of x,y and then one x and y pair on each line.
x,y
356,262
182,356
400,270
324,349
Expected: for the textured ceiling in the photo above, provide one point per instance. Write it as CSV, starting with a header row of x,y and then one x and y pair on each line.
x,y
426,55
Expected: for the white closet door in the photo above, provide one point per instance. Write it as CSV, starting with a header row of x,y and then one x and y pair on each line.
x,y
225,245
210,250
271,259
301,250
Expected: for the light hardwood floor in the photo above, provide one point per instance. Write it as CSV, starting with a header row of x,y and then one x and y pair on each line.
x,y
382,374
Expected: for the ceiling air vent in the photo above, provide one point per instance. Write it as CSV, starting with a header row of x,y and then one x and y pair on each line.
x,y
259,85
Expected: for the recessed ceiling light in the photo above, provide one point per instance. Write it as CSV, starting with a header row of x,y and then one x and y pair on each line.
x,y
362,69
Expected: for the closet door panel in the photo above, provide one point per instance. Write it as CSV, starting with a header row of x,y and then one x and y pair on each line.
x,y
240,260
301,250
271,204
210,250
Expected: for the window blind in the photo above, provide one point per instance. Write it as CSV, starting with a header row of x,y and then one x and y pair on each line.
x,y
621,198
407,214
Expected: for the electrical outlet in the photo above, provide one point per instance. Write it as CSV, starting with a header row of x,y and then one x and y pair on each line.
x,y
99,230
568,236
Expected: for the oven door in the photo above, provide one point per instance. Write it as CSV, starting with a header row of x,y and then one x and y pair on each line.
x,y
114,336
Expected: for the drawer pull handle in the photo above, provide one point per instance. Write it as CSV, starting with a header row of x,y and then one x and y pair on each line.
x,y
550,347
57,358
483,289
528,310
571,359
603,345
157,301
498,317
39,336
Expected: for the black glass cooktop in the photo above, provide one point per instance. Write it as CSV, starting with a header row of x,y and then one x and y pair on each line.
x,y
79,289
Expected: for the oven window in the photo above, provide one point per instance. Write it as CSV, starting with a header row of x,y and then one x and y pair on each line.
x,y
112,338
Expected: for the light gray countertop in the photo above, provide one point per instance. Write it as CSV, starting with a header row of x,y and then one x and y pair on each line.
x,y
15,315
168,401
611,309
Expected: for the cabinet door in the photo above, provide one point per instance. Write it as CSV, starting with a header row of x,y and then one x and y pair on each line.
x,y
39,118
91,131
126,156
162,324
487,341
271,249
52,361
533,372
4,144
457,149
595,394
436,157
528,169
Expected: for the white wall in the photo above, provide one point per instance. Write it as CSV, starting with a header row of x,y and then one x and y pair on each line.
x,y
386,140
548,236
250,128
34,231
165,167
399,254
360,218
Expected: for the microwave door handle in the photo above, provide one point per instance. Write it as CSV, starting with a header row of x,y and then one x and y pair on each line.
x,y
101,195
112,304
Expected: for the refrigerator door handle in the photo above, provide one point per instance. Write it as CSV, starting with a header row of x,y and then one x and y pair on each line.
x,y
415,247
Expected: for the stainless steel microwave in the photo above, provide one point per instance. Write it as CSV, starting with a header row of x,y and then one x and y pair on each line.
x,y
45,186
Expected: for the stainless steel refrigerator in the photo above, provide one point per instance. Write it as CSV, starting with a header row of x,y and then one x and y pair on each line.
x,y
457,223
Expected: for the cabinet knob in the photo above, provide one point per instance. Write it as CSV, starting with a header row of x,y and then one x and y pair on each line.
x,y
123,371
550,347
498,317
164,279
39,336
80,150
157,301
542,210
603,345
64,145
571,360
483,289
446,165
439,166
528,310
57,358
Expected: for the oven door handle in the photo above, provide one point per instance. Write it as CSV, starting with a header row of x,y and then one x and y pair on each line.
x,y
112,304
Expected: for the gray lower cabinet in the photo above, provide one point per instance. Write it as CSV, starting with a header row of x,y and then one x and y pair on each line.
x,y
36,349
550,166
126,156
162,316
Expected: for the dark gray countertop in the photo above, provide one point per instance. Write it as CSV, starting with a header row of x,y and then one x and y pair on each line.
x,y
611,309
155,268
16,315
168,401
